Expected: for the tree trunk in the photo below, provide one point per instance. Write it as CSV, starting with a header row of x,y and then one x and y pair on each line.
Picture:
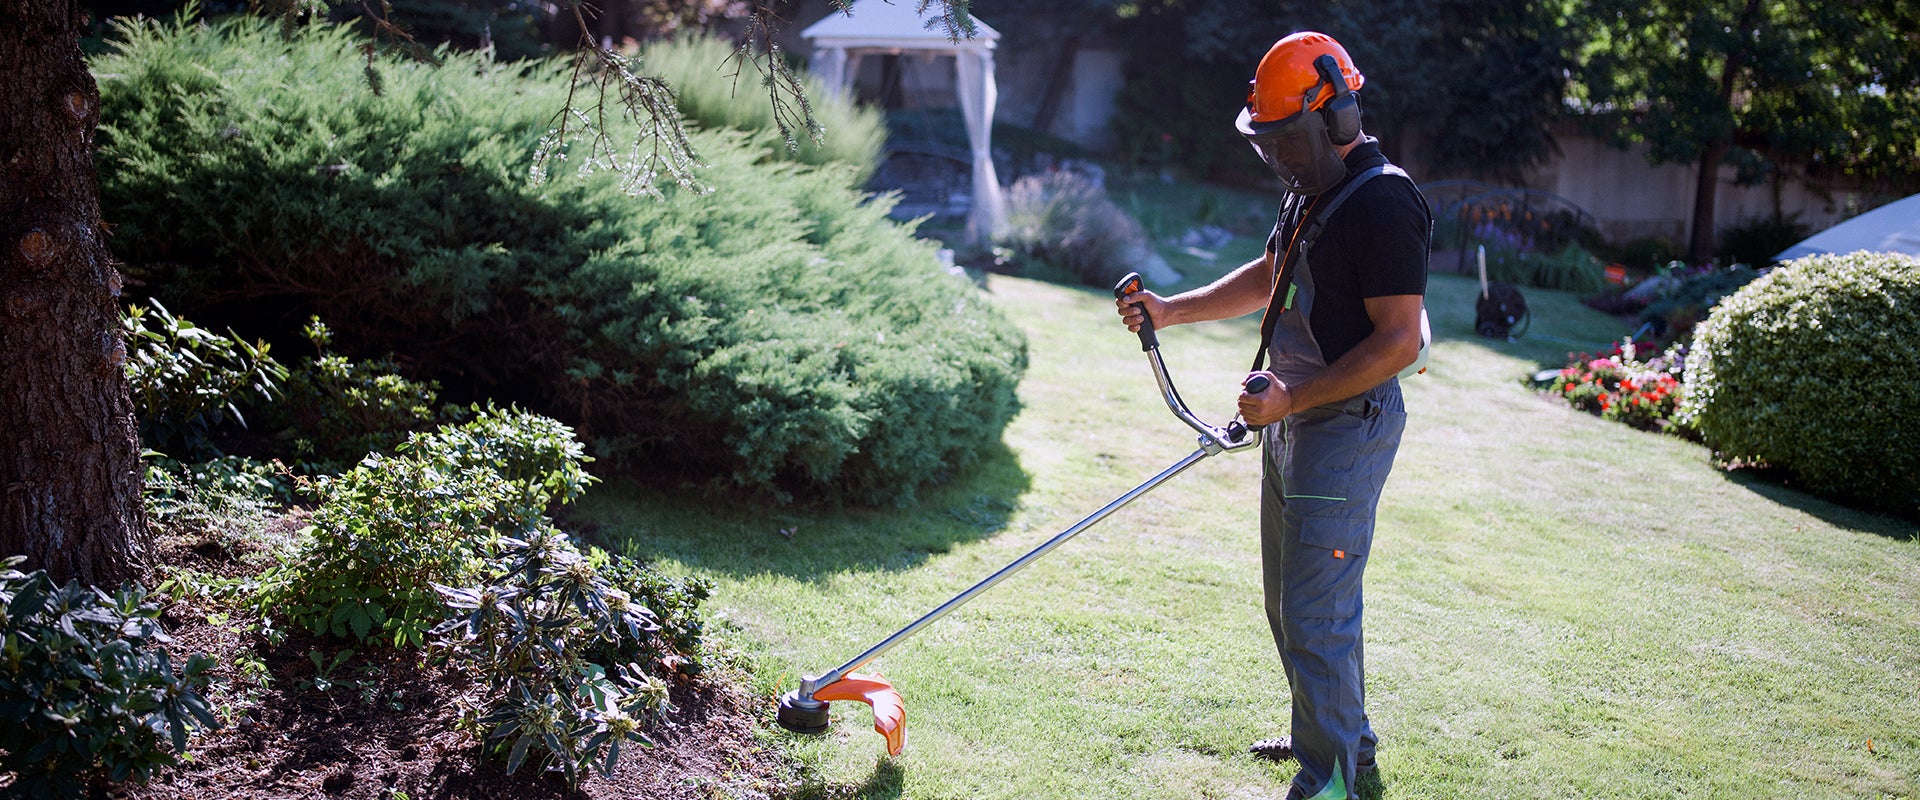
x,y
1058,77
69,449
1705,187
613,23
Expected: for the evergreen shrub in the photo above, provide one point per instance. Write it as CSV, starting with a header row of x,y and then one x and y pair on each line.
x,y
1804,370
87,689
769,329
390,528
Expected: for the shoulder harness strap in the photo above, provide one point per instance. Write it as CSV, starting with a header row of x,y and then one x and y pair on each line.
x,y
1282,295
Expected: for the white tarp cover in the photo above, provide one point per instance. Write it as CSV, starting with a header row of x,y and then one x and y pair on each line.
x,y
1892,228
875,25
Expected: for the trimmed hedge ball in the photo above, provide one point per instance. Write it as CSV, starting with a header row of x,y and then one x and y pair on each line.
x,y
1811,369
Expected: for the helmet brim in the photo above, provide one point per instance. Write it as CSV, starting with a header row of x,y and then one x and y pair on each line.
x,y
1252,128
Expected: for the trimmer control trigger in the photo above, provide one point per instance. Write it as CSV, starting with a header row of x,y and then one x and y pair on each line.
x,y
1128,285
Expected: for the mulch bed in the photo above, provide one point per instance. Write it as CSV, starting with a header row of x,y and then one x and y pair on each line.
x,y
384,727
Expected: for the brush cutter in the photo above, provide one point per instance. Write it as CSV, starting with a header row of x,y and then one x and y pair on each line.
x,y
804,710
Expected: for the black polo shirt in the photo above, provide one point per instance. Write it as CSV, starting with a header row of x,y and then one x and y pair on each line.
x,y
1375,245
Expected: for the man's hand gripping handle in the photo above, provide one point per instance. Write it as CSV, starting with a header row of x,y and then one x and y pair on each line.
x,y
1128,285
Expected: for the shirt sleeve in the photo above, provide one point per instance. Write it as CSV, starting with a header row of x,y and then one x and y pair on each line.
x,y
1389,244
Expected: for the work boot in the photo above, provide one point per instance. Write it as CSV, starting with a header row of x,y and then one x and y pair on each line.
x,y
1278,748
1281,749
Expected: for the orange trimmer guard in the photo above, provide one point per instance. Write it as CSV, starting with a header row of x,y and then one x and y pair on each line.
x,y
889,711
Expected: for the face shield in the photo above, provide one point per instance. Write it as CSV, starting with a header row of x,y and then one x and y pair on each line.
x,y
1298,149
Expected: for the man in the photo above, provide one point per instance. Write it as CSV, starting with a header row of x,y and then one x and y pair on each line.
x,y
1343,313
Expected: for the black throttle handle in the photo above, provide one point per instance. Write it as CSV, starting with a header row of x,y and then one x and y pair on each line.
x,y
1128,285
1256,385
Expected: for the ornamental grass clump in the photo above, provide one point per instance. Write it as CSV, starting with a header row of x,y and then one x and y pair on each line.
x,y
1806,369
1570,268
716,88
1067,221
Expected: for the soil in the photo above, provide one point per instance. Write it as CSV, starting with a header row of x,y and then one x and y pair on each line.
x,y
382,725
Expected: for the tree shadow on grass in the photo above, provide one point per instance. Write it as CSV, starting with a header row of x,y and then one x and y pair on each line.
x,y
1772,485
740,537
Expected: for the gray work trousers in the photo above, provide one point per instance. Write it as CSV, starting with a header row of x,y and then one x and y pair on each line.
x,y
1324,469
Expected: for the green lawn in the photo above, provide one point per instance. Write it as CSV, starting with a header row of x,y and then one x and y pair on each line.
x,y
1559,606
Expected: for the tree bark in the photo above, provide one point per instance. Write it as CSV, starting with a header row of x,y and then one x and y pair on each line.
x,y
1706,187
70,494
1058,77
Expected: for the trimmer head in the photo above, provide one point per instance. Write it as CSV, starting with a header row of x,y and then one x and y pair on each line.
x,y
808,715
802,715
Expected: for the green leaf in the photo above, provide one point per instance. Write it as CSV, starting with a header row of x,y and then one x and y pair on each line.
x,y
30,600
519,753
613,755
177,728
361,621
201,712
199,663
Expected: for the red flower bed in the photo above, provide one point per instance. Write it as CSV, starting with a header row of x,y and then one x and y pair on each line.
x,y
1619,386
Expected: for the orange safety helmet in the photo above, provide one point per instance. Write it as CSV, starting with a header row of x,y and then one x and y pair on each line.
x,y
1287,73
1301,104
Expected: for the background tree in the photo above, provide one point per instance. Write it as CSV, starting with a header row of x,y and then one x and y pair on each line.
x,y
1056,27
1468,86
1455,86
69,452
1829,86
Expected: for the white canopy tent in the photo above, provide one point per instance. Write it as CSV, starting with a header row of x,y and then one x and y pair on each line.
x,y
877,27
1892,228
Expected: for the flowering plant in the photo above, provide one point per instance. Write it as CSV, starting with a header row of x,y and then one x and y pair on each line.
x,y
1619,386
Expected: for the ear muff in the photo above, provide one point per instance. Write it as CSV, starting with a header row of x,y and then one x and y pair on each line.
x,y
1343,111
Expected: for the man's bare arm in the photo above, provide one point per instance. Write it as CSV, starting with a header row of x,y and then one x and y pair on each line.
x,y
1242,291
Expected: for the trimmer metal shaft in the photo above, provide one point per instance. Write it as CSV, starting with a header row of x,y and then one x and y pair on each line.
x,y
802,711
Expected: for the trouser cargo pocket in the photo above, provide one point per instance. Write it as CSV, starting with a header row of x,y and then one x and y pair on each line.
x,y
1322,573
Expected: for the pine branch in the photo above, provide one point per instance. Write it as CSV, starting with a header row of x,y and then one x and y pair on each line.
x,y
661,144
783,86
